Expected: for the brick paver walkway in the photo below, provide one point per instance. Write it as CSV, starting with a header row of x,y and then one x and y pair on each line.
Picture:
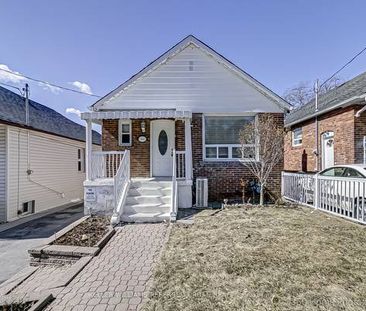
x,y
120,276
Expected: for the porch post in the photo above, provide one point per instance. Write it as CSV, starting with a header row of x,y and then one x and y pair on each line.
x,y
188,147
88,149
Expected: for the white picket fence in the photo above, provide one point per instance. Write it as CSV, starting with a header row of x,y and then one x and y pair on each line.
x,y
345,197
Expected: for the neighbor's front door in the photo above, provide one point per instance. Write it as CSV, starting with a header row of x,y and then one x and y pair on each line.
x,y
163,143
327,149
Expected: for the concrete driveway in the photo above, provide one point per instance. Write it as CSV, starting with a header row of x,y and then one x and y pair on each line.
x,y
15,242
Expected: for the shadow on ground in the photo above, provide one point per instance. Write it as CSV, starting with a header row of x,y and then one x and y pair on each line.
x,y
45,226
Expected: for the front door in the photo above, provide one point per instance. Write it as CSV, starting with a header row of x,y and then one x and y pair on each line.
x,y
328,149
163,143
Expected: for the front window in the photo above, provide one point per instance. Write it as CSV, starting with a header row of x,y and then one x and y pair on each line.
x,y
221,138
125,133
297,137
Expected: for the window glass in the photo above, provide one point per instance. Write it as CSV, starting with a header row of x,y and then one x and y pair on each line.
x,y
211,152
350,172
334,172
125,132
81,160
224,129
236,153
125,138
163,142
223,152
297,137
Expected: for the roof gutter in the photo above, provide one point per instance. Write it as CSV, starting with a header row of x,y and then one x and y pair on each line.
x,y
344,103
358,113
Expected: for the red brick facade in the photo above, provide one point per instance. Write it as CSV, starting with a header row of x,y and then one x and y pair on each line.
x,y
348,140
223,177
140,152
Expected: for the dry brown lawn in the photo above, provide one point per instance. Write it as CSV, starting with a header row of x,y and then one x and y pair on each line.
x,y
269,258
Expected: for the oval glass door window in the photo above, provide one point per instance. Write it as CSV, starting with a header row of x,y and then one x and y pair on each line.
x,y
163,142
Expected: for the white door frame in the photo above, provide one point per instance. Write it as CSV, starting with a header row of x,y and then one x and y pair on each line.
x,y
152,142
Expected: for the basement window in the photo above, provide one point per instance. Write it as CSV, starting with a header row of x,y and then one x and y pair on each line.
x,y
27,208
297,137
125,133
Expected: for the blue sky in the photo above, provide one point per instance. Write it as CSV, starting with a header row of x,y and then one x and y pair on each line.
x,y
102,43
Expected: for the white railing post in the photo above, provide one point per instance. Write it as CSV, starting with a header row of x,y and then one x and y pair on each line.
x,y
173,213
121,183
188,147
316,191
88,149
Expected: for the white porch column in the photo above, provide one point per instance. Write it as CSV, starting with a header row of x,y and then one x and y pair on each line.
x,y
88,149
188,147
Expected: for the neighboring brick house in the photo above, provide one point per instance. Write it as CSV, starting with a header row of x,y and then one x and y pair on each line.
x,y
192,100
341,124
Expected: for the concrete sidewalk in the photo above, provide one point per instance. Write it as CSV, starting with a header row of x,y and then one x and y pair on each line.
x,y
16,240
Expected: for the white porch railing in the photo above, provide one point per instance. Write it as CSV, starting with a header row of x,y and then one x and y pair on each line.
x,y
104,164
180,157
174,201
121,186
345,197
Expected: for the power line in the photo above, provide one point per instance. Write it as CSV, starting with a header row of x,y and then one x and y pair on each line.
x,y
47,83
344,66
12,86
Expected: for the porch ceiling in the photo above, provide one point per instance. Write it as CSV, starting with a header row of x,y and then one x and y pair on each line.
x,y
137,114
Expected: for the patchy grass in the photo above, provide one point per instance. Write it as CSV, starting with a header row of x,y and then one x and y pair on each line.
x,y
283,258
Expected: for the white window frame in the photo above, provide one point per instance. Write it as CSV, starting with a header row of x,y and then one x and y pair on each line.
x,y
296,141
81,160
229,146
120,123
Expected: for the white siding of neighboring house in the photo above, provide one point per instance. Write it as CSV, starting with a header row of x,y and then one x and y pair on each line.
x,y
2,173
54,164
193,80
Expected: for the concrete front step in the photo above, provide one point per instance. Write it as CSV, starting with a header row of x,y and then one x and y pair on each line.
x,y
146,208
148,199
149,191
145,217
151,184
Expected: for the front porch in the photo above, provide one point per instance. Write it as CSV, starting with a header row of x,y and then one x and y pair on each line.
x,y
151,148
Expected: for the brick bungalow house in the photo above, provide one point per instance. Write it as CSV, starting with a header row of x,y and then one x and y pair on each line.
x,y
341,125
174,121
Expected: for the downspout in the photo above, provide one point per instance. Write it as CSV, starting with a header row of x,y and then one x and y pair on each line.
x,y
317,166
358,113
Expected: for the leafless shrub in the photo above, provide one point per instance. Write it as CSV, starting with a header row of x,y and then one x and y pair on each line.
x,y
268,138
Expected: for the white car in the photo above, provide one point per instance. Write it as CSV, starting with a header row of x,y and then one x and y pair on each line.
x,y
342,189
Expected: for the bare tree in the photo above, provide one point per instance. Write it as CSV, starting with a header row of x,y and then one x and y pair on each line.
x,y
268,137
304,92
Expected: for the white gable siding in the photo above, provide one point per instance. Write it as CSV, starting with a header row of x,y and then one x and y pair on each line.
x,y
2,173
54,162
195,81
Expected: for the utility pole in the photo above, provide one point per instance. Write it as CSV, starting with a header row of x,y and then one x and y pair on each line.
x,y
316,87
26,90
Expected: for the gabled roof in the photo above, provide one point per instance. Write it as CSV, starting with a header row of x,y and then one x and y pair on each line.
x,y
347,93
12,111
199,44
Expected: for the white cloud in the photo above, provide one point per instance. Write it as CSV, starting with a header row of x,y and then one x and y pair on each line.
x,y
48,87
73,111
83,87
8,77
